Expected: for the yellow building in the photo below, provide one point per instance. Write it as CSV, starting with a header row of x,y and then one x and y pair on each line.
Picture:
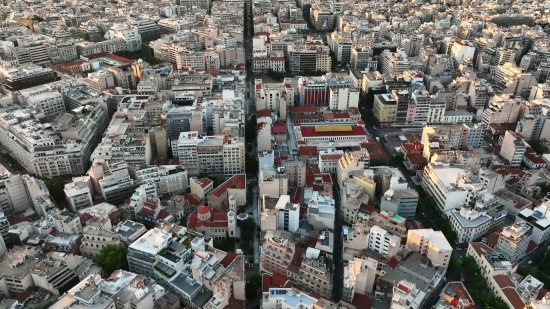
x,y
385,109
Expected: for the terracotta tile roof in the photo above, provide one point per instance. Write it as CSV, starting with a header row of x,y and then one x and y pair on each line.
x,y
535,158
542,293
217,219
205,182
228,258
509,291
308,150
416,158
263,113
393,262
361,301
163,214
369,208
531,246
303,109
192,199
477,246
236,182
17,220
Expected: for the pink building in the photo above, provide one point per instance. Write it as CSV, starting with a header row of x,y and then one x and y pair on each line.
x,y
277,252
411,111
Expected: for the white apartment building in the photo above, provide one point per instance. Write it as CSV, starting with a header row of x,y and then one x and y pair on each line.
x,y
462,50
472,222
431,243
61,147
379,240
117,184
123,142
359,277
168,180
112,46
211,155
513,148
513,241
128,33
321,209
16,266
51,103
394,63
450,186
288,214
342,98
85,295
511,80
79,193
141,253
539,220
191,60
13,193
501,110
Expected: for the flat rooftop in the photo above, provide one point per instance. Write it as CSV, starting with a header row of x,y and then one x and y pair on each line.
x,y
151,242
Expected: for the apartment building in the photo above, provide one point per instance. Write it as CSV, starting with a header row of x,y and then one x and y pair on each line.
x,y
117,184
322,17
474,221
148,30
45,149
514,240
305,58
211,155
312,275
431,243
128,33
94,239
342,98
86,294
393,63
288,298
513,149
112,46
401,202
385,109
17,265
359,277
405,294
141,253
79,193
501,110
537,218
129,231
277,252
53,276
13,193
273,182
382,242
313,90
511,80
168,180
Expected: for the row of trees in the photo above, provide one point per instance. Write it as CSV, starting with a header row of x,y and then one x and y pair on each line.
x,y
481,295
441,223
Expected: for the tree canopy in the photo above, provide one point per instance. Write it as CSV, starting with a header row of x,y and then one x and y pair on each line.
x,y
56,187
252,286
113,257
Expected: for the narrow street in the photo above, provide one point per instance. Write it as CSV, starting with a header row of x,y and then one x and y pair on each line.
x,y
338,269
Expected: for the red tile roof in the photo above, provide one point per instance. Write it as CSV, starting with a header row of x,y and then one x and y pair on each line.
x,y
192,199
361,301
369,208
308,150
531,246
236,182
263,113
331,157
508,288
303,109
393,262
205,182
403,288
17,220
477,246
163,214
416,145
228,258
217,219
278,129
535,158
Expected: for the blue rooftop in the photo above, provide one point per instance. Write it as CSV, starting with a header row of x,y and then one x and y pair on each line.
x,y
291,298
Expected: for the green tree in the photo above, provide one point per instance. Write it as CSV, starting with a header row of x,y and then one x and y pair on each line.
x,y
56,187
538,146
113,257
252,286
